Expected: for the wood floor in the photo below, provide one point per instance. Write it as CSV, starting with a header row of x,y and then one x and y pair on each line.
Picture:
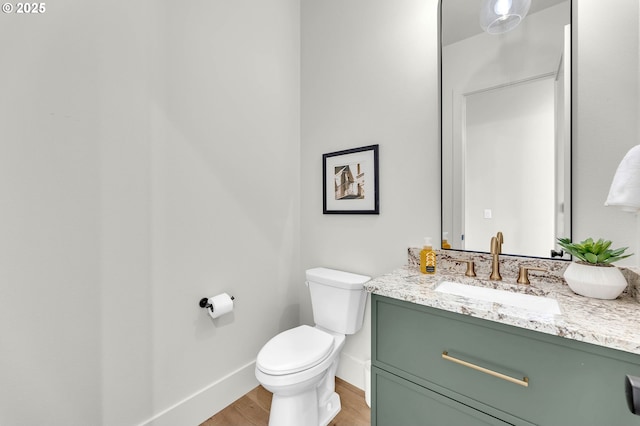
x,y
253,409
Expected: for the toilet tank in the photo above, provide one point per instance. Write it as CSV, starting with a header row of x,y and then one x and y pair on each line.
x,y
338,299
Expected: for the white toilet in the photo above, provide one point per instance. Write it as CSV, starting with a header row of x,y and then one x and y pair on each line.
x,y
299,365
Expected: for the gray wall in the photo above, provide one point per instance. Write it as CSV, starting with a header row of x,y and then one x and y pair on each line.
x,y
145,147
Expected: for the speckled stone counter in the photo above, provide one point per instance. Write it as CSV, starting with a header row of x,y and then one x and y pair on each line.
x,y
610,323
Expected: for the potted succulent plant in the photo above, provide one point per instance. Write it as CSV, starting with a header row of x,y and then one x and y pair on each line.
x,y
593,273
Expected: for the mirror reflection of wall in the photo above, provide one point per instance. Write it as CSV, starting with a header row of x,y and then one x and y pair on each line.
x,y
499,164
506,129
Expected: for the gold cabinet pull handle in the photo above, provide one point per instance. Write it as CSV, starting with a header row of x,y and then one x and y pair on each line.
x,y
522,382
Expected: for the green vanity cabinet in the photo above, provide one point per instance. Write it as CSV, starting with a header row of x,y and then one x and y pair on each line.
x,y
424,373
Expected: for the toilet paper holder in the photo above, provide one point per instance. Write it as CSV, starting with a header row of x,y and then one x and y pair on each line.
x,y
204,303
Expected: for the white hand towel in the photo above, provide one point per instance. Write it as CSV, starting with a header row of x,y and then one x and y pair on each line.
x,y
625,188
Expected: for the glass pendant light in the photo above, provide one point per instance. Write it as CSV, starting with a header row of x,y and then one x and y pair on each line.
x,y
500,16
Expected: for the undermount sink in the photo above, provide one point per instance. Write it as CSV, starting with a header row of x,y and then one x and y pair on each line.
x,y
529,302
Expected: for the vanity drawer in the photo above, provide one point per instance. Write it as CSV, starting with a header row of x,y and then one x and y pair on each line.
x,y
566,385
400,402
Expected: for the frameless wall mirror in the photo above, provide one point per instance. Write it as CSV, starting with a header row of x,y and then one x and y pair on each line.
x,y
506,124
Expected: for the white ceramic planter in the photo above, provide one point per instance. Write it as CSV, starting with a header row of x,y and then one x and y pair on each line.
x,y
599,282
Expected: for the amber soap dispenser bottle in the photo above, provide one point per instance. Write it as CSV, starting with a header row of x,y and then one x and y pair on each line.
x,y
427,258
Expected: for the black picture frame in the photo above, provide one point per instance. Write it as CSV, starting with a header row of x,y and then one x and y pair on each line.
x,y
350,181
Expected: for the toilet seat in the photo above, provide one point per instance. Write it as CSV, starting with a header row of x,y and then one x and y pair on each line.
x,y
295,350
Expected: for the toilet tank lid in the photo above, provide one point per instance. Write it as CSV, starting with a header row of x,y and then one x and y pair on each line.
x,y
335,278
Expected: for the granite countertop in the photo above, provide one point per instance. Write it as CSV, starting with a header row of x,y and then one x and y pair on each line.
x,y
610,323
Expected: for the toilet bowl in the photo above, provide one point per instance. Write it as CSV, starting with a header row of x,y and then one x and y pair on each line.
x,y
299,365
304,388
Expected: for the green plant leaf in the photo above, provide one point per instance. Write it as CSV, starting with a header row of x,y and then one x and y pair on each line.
x,y
615,259
591,258
581,256
597,247
618,252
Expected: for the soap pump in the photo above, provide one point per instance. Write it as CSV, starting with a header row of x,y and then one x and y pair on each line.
x,y
427,258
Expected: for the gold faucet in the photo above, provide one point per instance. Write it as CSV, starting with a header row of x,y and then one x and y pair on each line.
x,y
496,249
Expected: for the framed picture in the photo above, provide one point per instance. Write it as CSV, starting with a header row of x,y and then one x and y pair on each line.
x,y
350,181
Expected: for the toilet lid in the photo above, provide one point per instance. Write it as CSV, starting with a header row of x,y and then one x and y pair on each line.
x,y
294,350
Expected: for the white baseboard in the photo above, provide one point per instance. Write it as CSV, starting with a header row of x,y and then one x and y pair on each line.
x,y
203,404
351,369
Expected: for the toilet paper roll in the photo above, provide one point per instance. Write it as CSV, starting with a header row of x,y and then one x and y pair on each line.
x,y
220,305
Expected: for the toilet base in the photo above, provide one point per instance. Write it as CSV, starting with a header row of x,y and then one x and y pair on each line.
x,y
303,410
292,410
329,410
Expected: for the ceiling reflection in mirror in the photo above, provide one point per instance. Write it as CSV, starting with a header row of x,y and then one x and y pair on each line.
x,y
506,128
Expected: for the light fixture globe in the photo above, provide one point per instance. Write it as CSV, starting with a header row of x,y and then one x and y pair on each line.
x,y
500,16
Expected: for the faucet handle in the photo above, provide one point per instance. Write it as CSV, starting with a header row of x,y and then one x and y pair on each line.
x,y
523,274
471,267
